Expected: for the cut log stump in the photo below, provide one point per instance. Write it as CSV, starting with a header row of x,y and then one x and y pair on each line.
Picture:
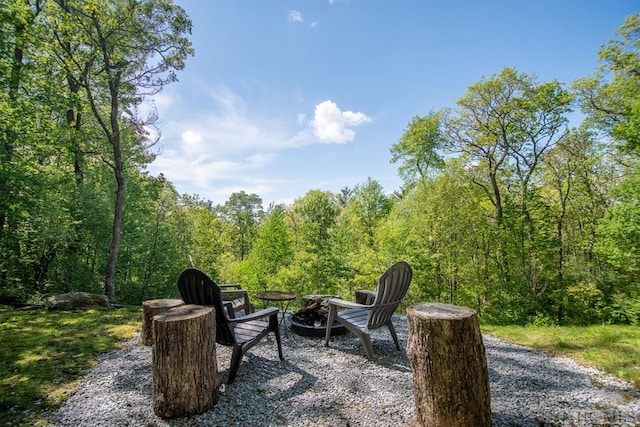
x,y
185,373
450,375
151,308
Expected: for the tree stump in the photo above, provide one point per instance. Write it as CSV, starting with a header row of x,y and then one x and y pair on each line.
x,y
450,375
185,373
151,308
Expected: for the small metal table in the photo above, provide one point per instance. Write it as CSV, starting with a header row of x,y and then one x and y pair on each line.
x,y
283,298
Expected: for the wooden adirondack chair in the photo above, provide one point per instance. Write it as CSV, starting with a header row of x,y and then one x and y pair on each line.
x,y
240,333
359,319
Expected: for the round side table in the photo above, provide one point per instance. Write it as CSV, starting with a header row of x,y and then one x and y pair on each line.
x,y
283,298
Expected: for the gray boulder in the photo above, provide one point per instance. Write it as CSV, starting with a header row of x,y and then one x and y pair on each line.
x,y
77,301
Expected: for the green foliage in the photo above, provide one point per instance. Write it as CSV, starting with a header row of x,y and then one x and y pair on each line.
x,y
625,310
151,257
504,209
420,148
242,213
611,97
272,253
206,248
620,228
315,268
621,57
584,303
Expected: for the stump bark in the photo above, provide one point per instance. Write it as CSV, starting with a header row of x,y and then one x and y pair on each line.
x,y
151,308
185,373
450,375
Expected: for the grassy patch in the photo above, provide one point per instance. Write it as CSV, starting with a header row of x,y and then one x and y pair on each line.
x,y
614,349
43,354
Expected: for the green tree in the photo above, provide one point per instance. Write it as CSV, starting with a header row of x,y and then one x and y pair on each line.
x,y
271,254
152,254
611,100
420,148
17,20
206,237
443,230
116,75
315,267
242,213
611,97
354,237
620,230
504,127
371,206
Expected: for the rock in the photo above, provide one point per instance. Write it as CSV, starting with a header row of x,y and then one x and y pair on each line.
x,y
77,301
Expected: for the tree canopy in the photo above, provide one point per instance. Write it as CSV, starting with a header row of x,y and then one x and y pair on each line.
x,y
505,208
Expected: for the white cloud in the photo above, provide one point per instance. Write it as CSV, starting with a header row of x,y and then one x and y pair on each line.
x,y
192,142
228,146
224,149
333,126
295,16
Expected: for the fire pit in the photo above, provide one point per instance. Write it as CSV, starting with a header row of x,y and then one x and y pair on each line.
x,y
311,321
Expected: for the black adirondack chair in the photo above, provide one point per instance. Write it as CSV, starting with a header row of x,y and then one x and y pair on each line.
x,y
240,333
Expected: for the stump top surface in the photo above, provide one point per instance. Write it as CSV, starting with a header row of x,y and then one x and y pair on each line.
x,y
439,311
183,312
162,303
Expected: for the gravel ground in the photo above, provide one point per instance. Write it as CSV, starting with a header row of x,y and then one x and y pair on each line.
x,y
338,386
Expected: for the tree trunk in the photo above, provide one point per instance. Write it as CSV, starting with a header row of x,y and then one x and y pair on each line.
x,y
8,138
185,373
450,375
151,308
118,216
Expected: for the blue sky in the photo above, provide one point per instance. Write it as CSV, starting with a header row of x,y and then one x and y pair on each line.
x,y
286,96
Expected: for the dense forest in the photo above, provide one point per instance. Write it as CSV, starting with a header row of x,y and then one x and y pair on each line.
x,y
504,207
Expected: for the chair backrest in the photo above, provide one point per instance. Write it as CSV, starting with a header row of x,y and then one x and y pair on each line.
x,y
392,288
198,288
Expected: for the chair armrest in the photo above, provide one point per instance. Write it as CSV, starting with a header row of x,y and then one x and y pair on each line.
x,y
267,312
225,286
346,304
366,297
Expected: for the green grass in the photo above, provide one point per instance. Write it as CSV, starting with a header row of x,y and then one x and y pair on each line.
x,y
44,353
614,349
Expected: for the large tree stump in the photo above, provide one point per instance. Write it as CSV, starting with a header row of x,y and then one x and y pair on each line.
x,y
151,308
450,375
185,373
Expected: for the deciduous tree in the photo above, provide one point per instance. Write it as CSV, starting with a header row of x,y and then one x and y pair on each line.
x,y
611,97
125,50
420,149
